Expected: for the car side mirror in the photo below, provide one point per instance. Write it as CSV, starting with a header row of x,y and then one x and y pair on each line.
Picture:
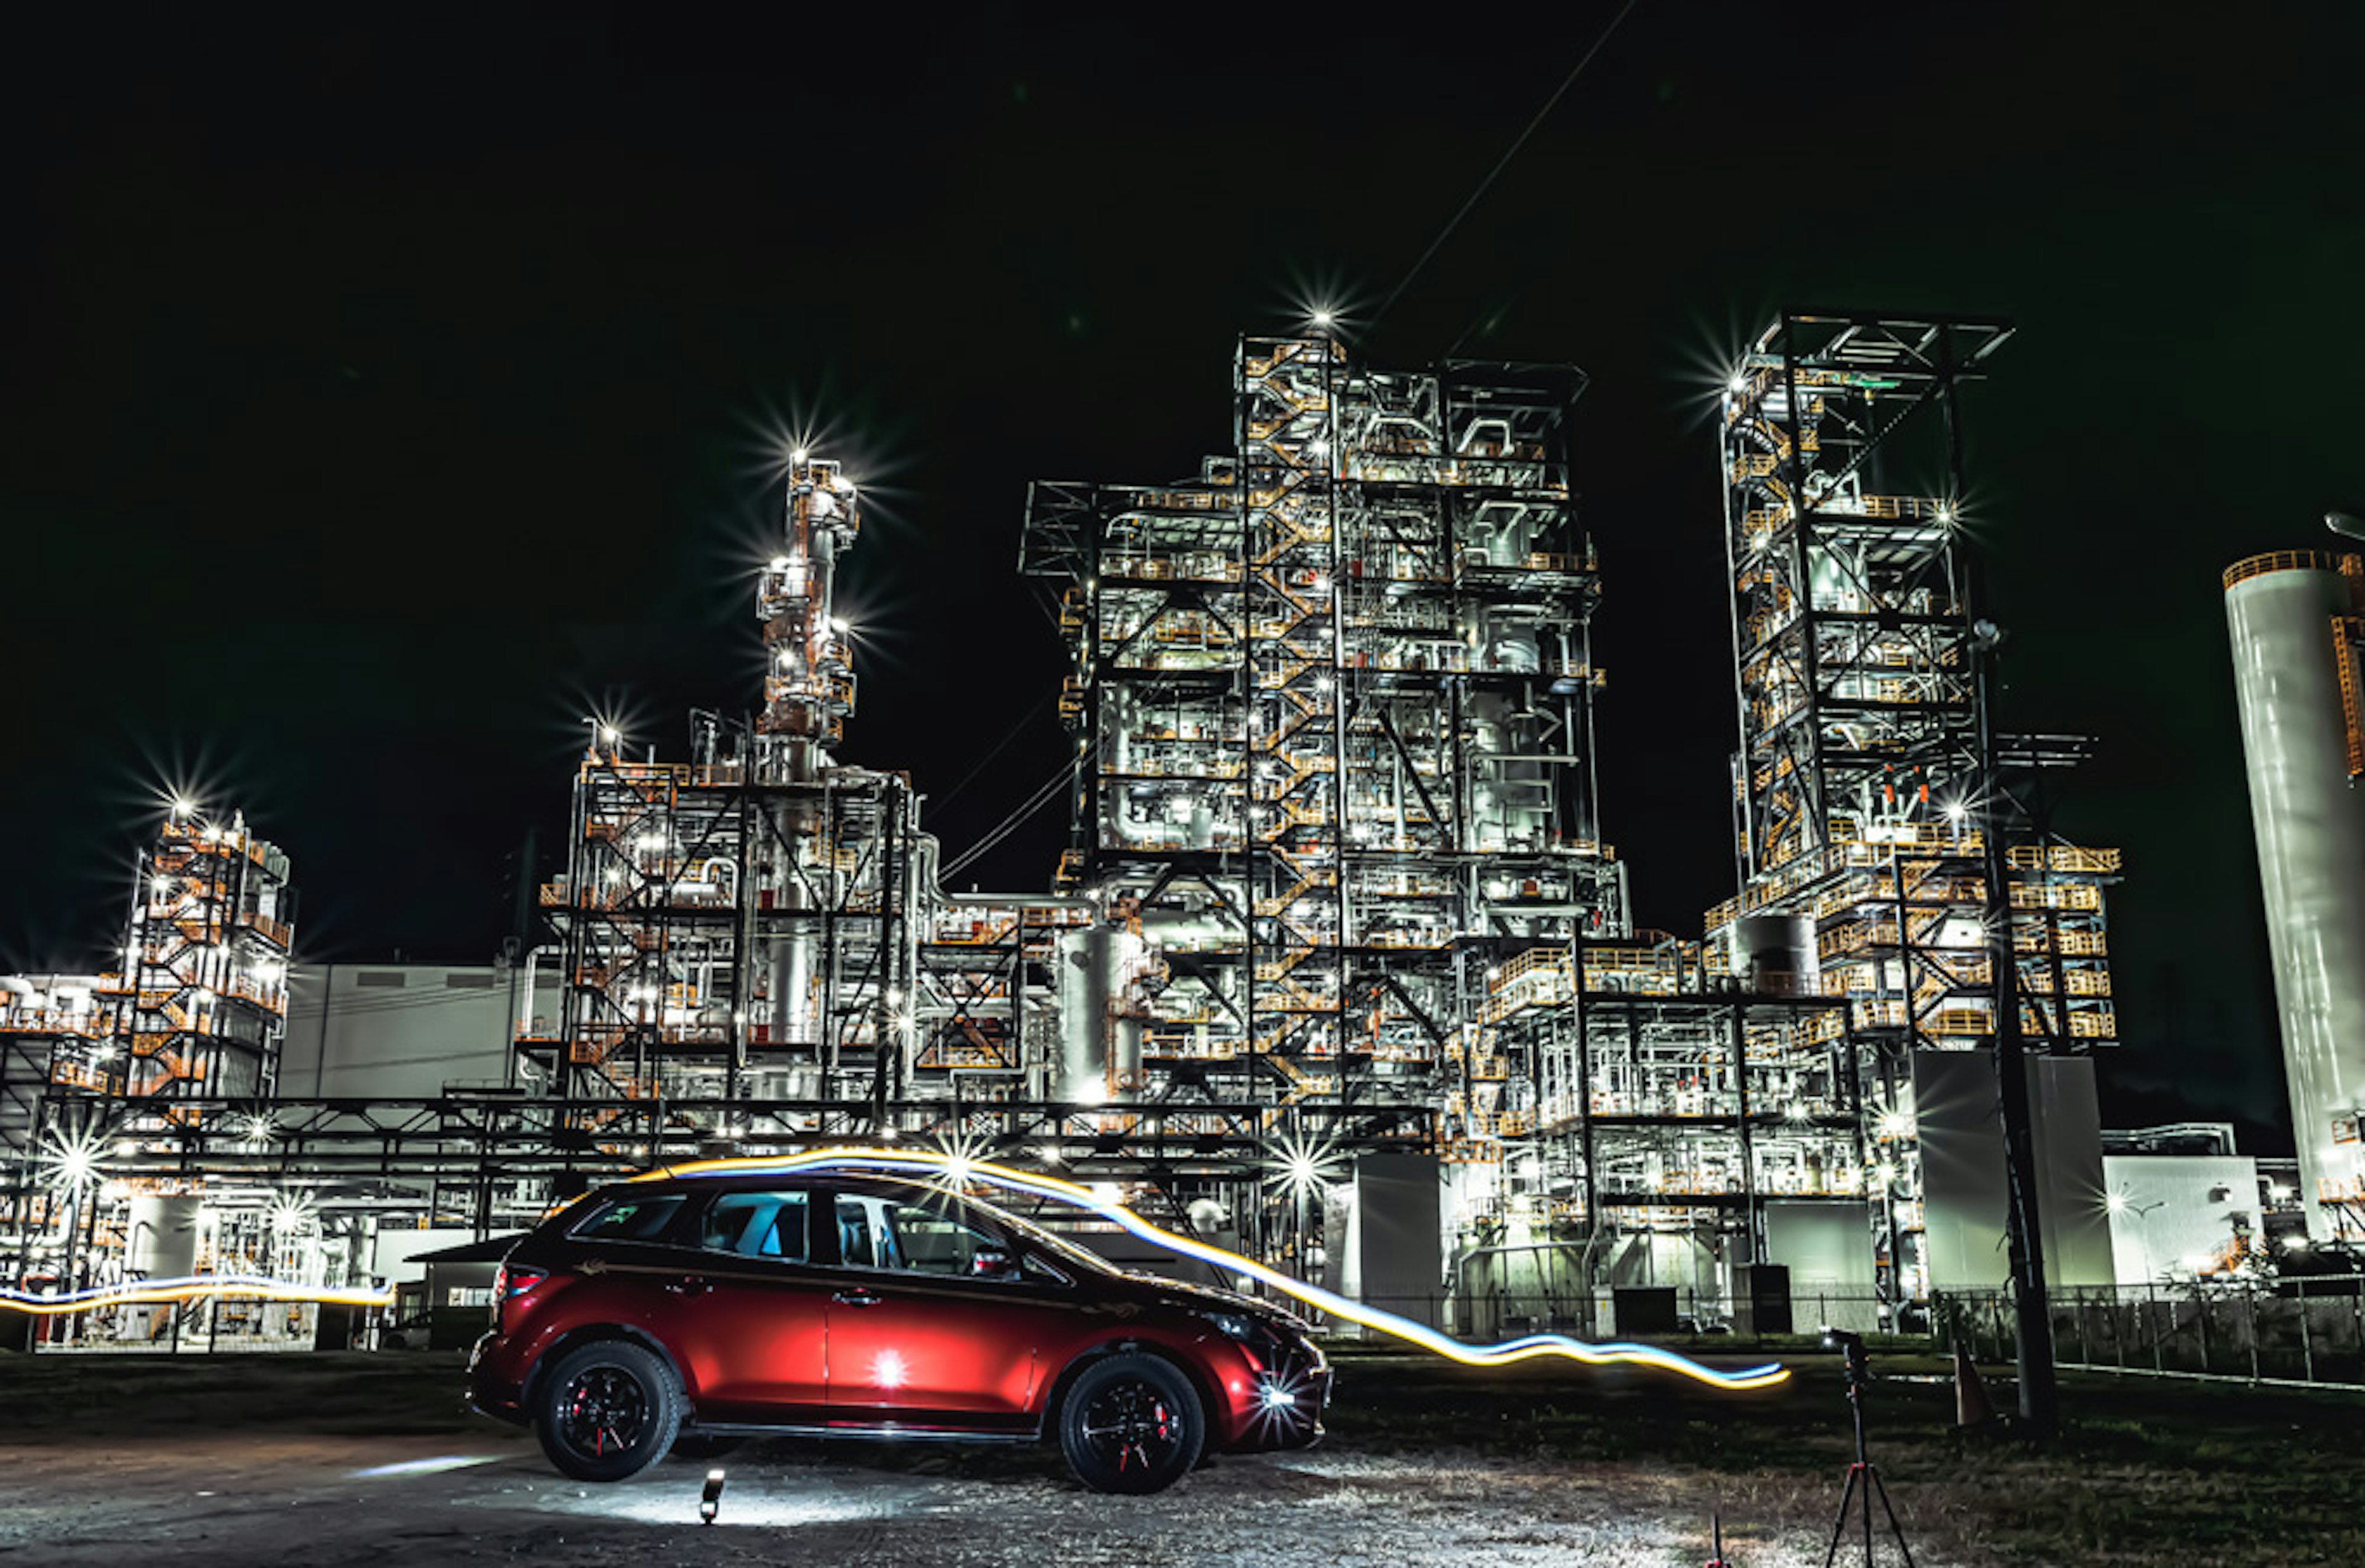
x,y
994,1263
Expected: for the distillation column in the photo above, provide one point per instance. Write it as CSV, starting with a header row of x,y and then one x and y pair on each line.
x,y
808,692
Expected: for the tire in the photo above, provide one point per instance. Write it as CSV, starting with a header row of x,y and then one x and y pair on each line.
x,y
606,1411
704,1445
1131,1423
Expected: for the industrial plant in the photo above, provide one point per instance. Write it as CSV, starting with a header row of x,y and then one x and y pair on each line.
x,y
1340,968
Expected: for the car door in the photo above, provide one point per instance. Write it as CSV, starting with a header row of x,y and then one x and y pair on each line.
x,y
748,1314
923,1330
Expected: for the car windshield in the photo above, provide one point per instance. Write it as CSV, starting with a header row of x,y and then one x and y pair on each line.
x,y
1047,1241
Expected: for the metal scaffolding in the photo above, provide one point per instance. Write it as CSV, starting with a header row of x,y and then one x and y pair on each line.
x,y
90,1064
1867,792
1337,884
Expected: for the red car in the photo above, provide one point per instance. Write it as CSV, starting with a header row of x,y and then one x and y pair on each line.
x,y
857,1305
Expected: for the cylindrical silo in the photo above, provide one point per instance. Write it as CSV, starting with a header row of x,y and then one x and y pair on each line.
x,y
2279,610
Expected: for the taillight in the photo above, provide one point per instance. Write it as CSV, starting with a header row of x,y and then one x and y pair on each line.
x,y
511,1281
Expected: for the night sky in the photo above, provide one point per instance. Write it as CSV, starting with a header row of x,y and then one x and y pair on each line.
x,y
386,397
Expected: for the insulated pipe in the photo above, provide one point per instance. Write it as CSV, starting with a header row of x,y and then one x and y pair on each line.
x,y
929,853
526,994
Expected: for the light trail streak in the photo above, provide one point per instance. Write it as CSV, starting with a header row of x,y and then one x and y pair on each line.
x,y
191,1287
1330,1303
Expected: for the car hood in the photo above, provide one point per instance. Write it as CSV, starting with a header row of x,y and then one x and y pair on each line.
x,y
1202,1298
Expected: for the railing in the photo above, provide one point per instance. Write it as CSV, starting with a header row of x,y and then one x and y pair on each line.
x,y
2348,566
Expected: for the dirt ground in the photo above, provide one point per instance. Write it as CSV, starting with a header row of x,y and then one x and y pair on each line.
x,y
334,1461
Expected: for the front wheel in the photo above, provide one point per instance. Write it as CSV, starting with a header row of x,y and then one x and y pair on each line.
x,y
606,1411
1131,1424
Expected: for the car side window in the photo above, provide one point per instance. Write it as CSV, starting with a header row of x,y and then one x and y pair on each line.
x,y
755,1225
625,1219
919,1238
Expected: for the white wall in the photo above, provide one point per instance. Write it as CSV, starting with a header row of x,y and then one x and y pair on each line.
x,y
1827,1250
395,1031
392,1251
1964,1193
2169,1209
1396,1246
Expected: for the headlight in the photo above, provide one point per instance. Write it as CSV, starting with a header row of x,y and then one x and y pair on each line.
x,y
1238,1325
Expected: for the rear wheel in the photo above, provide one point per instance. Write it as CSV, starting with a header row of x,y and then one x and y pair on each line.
x,y
1131,1424
606,1411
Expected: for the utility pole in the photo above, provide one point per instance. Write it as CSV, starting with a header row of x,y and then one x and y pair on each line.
x,y
2040,1400
2040,1404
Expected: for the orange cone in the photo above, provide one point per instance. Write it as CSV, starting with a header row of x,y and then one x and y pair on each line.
x,y
1972,1407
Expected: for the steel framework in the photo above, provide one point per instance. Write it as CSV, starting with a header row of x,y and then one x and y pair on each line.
x,y
1876,819
1337,884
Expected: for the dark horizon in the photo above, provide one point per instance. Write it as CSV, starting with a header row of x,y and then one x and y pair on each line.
x,y
386,402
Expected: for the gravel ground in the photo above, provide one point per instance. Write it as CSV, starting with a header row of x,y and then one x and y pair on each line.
x,y
251,1498
251,1462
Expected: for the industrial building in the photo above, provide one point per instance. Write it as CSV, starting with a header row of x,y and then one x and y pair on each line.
x,y
1340,952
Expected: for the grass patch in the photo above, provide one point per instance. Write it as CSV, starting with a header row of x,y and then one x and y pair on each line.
x,y
2145,1471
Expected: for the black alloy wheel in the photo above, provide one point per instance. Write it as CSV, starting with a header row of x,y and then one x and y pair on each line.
x,y
606,1411
1131,1424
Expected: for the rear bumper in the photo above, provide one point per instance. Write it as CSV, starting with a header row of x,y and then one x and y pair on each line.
x,y
490,1393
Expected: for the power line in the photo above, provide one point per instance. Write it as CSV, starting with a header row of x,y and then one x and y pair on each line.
x,y
1043,795
946,798
1500,165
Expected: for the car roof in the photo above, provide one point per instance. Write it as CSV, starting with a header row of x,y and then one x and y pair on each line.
x,y
758,1180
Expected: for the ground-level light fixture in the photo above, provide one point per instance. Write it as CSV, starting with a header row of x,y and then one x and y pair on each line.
x,y
710,1501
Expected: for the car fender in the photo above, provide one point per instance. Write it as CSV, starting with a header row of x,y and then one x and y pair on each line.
x,y
592,1333
1211,1408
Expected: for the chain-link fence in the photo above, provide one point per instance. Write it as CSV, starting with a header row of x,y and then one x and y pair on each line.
x,y
2306,1330
2309,1330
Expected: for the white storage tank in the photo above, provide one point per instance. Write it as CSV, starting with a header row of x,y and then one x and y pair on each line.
x,y
2310,824
161,1240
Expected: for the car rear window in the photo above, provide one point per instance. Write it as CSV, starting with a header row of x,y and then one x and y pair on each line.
x,y
628,1219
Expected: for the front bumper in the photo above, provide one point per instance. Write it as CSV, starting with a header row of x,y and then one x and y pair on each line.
x,y
1280,1406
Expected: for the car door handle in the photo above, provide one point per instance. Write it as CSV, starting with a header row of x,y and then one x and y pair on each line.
x,y
857,1297
688,1284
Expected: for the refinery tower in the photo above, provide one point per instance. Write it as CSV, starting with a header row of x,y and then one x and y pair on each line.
x,y
1338,889
1340,967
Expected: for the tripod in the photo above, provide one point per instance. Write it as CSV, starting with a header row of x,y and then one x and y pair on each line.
x,y
1863,1483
